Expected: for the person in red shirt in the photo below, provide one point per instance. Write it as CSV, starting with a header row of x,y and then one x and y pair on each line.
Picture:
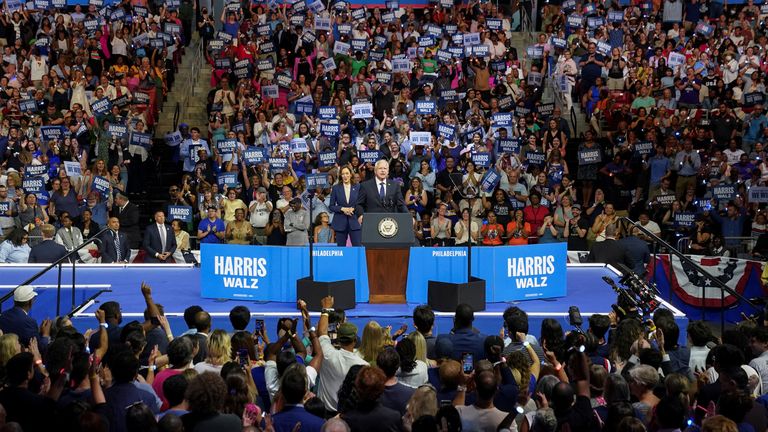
x,y
535,213
492,231
518,230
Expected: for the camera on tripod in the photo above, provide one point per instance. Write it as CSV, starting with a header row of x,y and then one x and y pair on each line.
x,y
636,298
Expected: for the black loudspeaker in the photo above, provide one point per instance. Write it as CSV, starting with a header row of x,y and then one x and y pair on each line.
x,y
445,296
312,291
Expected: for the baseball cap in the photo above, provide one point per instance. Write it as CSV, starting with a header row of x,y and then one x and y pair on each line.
x,y
262,190
346,331
576,206
24,293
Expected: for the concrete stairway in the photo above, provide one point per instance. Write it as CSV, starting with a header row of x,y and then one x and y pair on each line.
x,y
195,96
521,41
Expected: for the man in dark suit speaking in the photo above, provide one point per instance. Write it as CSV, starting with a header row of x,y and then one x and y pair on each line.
x,y
379,194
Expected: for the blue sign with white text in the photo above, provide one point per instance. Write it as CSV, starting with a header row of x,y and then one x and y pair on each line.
x,y
269,273
511,272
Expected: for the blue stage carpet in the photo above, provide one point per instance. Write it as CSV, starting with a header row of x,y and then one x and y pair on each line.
x,y
178,286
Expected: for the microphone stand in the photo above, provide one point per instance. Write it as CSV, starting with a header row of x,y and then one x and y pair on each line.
x,y
310,235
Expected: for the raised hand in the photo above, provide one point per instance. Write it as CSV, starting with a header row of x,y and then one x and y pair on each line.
x,y
146,290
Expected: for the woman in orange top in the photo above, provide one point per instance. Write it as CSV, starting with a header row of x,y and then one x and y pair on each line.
x,y
492,231
518,230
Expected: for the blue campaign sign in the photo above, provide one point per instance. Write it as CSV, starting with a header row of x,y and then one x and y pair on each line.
x,y
330,129
35,170
502,119
685,219
51,133
254,155
101,107
724,192
446,131
644,147
318,180
227,180
278,163
182,213
369,156
511,272
425,107
481,159
589,156
269,273
326,158
490,180
141,139
509,145
536,158
101,184
33,184
326,112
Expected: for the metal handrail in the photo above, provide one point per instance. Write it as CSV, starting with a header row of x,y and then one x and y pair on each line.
x,y
197,63
720,284
58,263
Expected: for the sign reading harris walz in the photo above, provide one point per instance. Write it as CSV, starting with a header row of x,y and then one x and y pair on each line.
x,y
537,271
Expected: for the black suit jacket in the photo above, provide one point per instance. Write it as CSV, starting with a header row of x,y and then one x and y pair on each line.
x,y
47,251
369,201
609,252
107,247
153,243
129,223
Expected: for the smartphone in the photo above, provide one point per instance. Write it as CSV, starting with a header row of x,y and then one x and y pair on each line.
x,y
258,326
446,402
467,362
574,316
332,328
242,356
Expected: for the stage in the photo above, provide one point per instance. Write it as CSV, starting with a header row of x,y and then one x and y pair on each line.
x,y
178,286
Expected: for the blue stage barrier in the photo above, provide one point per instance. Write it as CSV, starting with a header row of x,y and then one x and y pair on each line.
x,y
511,272
269,273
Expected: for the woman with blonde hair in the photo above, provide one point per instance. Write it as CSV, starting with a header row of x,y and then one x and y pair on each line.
x,y
219,352
9,347
372,342
421,348
423,402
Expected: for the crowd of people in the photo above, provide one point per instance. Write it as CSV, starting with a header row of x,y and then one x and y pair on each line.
x,y
620,373
312,98
304,99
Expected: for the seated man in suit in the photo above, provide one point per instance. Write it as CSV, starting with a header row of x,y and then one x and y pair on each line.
x,y
114,246
18,321
159,240
380,194
47,251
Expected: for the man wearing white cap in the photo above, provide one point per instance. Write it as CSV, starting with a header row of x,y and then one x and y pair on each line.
x,y
18,321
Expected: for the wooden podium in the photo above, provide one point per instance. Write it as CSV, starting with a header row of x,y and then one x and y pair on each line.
x,y
387,238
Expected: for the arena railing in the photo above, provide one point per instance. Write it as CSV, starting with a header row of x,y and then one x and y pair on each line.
x,y
708,277
197,64
58,264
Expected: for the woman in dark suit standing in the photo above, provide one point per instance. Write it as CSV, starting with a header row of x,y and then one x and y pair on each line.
x,y
343,200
